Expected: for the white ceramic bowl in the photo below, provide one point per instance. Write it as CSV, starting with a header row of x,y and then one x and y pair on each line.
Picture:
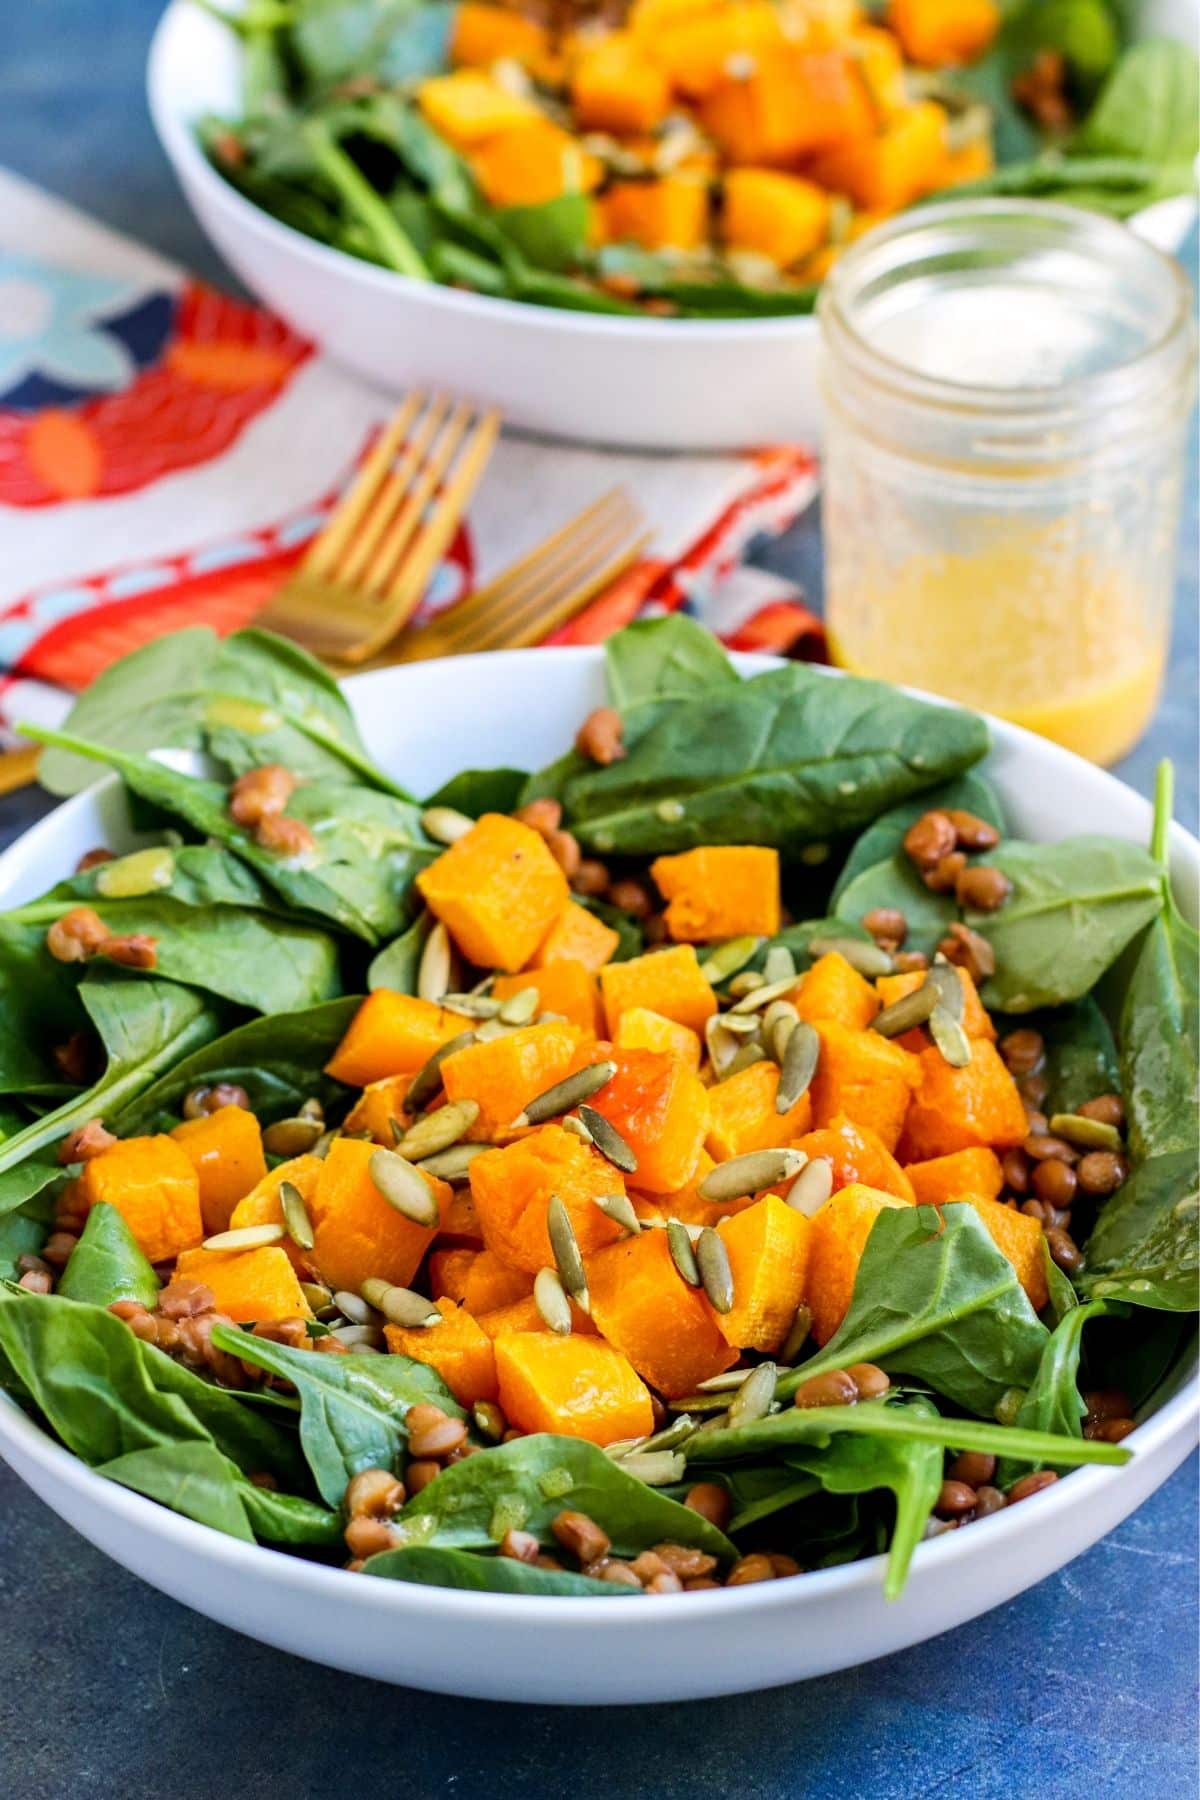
x,y
653,383
520,708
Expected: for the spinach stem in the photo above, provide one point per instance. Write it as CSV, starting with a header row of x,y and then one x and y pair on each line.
x,y
391,240
1164,806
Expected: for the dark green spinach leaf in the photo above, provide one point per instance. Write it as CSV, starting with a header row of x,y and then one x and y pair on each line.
x,y
432,1566
106,1264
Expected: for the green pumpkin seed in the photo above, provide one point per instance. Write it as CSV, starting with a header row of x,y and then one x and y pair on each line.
x,y
312,1109
130,877
744,1057
428,1079
798,1065
812,1186
1085,1133
657,1468
608,1140
868,959
759,997
577,1128
353,1307
323,1145
453,1165
703,1403
751,1173
779,965
565,1095
565,1245
400,1305
619,1208
780,1012
359,1337
292,1137
550,1298
520,1007
247,1237
728,1383
491,1029
433,970
679,1243
445,824
744,982
669,1438
728,958
911,1009
489,1420
797,1336
403,1187
947,985
320,1300
949,1037
754,1398
438,1130
742,1025
470,1006
716,1276
295,1215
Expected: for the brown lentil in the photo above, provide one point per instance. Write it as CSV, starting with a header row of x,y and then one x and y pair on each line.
x,y
954,1500
367,1537
204,1100
543,815
1064,1250
287,836
972,1467
685,1561
581,1535
943,877
74,1057
137,950
908,962
970,831
1022,1051
1055,1182
91,859
432,1433
1033,1088
836,1387
983,888
519,1546
1016,1172
37,1281
929,839
58,1247
871,1381
1108,1109
1110,1431
77,936
591,878
1107,1403
599,738
85,1142
886,923
420,1472
564,848
185,1299
259,793
631,896
755,1567
1101,1172
966,949
988,1499
711,1501
1031,1484
374,1494
1042,1147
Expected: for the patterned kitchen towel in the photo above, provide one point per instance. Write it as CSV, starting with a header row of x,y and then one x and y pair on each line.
x,y
166,452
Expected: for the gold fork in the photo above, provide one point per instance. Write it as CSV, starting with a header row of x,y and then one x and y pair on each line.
x,y
363,576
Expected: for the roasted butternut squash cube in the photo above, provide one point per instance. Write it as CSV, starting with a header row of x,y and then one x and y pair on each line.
x,y
768,1247
644,1308
532,163
789,105
497,890
448,1270
839,1237
483,35
742,1115
263,1206
570,1386
577,936
152,1184
782,217
881,64
503,1074
469,106
563,987
225,1149
523,1315
888,171
249,1285
971,162
975,1020
685,1203
513,1187
461,1353
670,213
864,1076
460,1221
391,1034
953,1177
833,989
616,87
941,33
642,1029
379,1105
695,48
667,981
1019,1238
959,1109
661,1110
858,1156
720,891
492,1283
356,1233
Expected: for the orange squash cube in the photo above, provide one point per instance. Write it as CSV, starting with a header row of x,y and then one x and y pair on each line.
x,y
644,1308
742,1115
225,1149
523,1315
249,1285
857,1155
152,1184
460,1221
839,1237
448,1270
461,1353
491,1284
885,172
941,33
470,105
577,936
958,1109
391,1034
497,890
768,1246
616,87
685,1203
792,103
864,1076
782,217
720,891
670,213
666,981
563,987
975,1020
661,1110
642,1029
483,35
356,1233
262,1205
953,1177
833,989
379,1104
532,163
513,1187
1020,1239
694,48
881,65
503,1074
571,1386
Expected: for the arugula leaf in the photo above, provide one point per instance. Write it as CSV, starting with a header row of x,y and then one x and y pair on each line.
x,y
106,1264
882,840
436,1567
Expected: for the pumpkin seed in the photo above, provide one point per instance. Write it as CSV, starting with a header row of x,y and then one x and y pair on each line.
x,y
247,1237
427,1080
751,1173
353,1307
812,1186
400,1305
565,1245
608,1140
947,984
489,1420
577,1128
716,1276
295,1215
491,1029
797,1335
564,1096
129,877
780,1012
728,958
779,964
669,1438
743,1058
359,1337
403,1187
744,982
949,1036
721,1045
797,1066
759,997
1084,1133
320,1300
703,1403
911,1009
520,1007
679,1243
754,1398
868,959
292,1137
657,1468
550,1298
470,1006
619,1208
312,1109
433,970
452,1165
742,1025
438,1130
445,824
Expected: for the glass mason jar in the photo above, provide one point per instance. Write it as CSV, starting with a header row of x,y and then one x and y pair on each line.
x,y
1007,387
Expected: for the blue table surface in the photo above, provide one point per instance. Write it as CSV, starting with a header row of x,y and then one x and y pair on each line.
x,y
1084,1686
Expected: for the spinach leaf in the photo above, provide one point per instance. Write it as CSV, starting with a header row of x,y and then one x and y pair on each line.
x,y
200,875
1081,1058
1061,1296
351,1407
1149,106
279,1061
22,1233
39,1009
289,1518
882,841
478,791
396,966
672,658
106,1264
436,1567
788,758
194,1479
550,235
799,938
1053,1402
760,1493
1116,185
390,40
895,882
935,1299
1143,1247
527,1483
253,1430
1074,907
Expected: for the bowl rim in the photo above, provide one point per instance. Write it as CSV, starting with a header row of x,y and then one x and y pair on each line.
x,y
934,1558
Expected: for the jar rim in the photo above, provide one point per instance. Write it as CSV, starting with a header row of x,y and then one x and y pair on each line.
x,y
1060,226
